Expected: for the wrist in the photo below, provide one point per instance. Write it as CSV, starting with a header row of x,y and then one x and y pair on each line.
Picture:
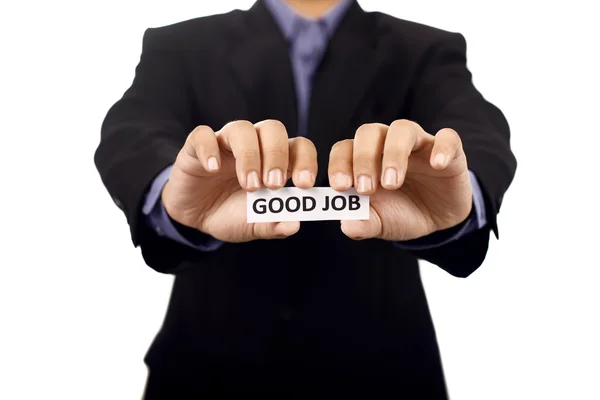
x,y
165,200
457,212
440,235
189,232
177,215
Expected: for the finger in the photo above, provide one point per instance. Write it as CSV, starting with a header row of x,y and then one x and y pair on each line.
x,y
366,160
303,162
340,165
403,137
362,229
241,139
274,151
446,146
275,230
202,145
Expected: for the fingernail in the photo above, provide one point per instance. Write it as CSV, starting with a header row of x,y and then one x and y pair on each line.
x,y
342,180
364,184
213,164
440,159
390,178
275,177
253,180
305,176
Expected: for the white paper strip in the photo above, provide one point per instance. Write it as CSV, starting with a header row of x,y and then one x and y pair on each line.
x,y
316,204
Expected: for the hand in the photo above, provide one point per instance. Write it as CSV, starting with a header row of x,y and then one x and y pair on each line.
x,y
418,183
213,171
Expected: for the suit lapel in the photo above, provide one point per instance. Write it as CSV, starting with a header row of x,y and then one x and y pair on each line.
x,y
262,68
341,82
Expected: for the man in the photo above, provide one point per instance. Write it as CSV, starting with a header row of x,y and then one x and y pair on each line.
x,y
303,93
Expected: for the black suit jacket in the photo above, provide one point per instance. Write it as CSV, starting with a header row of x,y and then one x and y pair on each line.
x,y
318,312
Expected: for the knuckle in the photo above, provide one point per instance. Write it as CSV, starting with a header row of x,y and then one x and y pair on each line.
x,y
265,230
250,156
305,159
275,153
341,145
449,131
259,231
200,131
240,126
449,140
451,134
241,123
366,129
370,132
303,146
274,124
363,159
304,142
405,125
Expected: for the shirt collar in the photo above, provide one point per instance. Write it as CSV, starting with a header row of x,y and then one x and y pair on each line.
x,y
288,20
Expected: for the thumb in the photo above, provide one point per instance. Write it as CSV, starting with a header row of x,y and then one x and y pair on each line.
x,y
275,230
362,229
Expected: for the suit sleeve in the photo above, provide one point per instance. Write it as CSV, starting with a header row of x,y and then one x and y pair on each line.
x,y
443,96
141,135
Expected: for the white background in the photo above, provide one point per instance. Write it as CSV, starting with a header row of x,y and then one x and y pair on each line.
x,y
78,307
